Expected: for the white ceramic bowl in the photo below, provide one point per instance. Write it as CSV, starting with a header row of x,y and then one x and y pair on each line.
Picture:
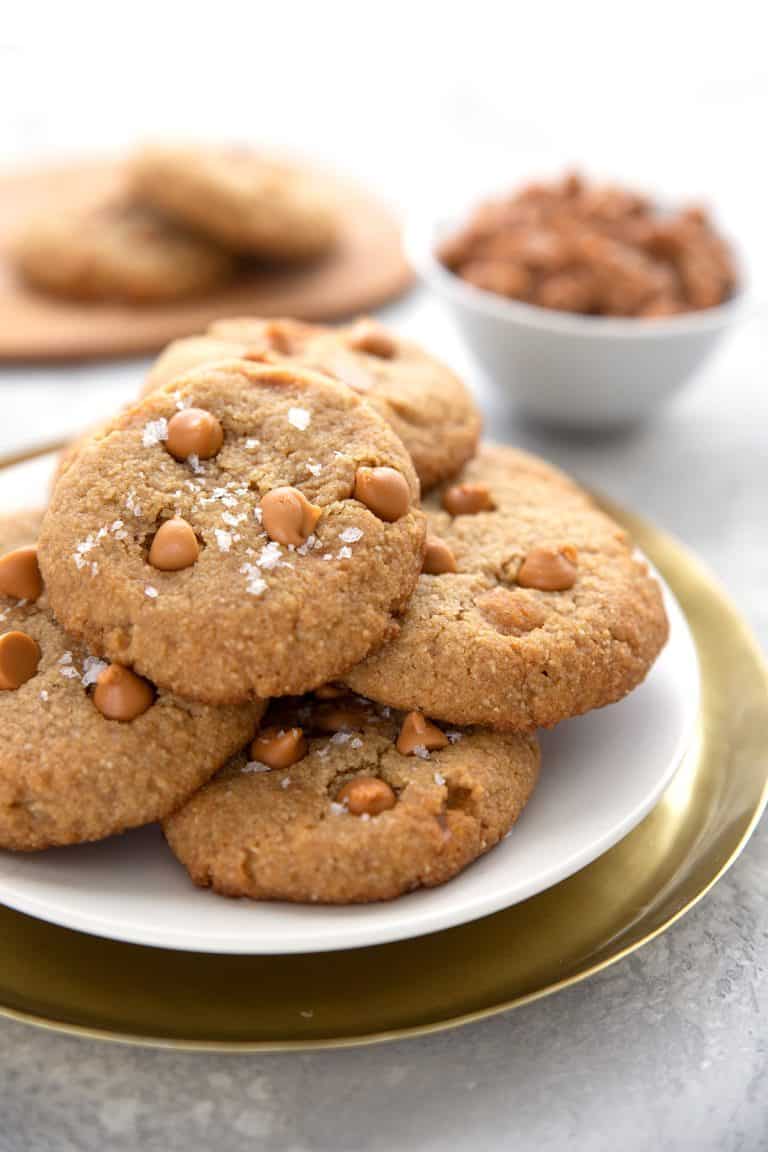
x,y
586,372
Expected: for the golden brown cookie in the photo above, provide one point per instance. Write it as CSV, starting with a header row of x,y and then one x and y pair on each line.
x,y
536,610
87,750
427,405
302,503
324,807
118,251
243,200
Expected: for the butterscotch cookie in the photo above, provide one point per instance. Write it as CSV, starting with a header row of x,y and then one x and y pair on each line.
x,y
342,802
531,606
118,251
88,749
245,201
427,405
250,530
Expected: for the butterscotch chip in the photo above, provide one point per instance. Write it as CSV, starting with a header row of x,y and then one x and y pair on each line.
x,y
122,695
549,569
438,557
20,574
347,716
309,832
279,747
330,691
597,642
372,338
384,490
366,794
417,733
467,499
288,516
277,618
68,774
511,612
19,658
174,547
194,432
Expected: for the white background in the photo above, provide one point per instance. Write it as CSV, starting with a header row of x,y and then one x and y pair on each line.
x,y
426,102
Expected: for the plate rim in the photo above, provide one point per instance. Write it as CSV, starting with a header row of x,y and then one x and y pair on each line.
x,y
656,543
376,934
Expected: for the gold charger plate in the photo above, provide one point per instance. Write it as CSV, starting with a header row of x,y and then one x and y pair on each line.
x,y
65,980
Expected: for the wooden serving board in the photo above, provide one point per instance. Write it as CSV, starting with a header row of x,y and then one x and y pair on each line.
x,y
367,269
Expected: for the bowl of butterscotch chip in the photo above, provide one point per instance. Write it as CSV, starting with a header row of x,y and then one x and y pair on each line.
x,y
589,303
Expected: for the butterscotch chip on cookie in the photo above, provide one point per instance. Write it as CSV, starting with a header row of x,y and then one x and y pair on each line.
x,y
245,201
212,540
427,405
544,612
352,819
88,749
118,251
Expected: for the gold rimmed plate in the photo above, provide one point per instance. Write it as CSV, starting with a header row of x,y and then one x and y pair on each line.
x,y
63,979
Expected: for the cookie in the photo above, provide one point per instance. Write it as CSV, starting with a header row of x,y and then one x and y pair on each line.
x,y
251,530
531,607
247,202
427,405
118,251
341,802
87,750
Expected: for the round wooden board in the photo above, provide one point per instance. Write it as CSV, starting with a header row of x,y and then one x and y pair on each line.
x,y
367,269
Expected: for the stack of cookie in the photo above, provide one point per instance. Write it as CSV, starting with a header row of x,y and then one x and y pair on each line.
x,y
253,529
181,222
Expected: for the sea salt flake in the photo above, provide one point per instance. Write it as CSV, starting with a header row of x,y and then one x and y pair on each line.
x,y
252,442
255,766
338,809
365,816
351,535
285,782
300,418
223,539
181,403
255,585
439,778
306,547
94,569
154,432
454,737
421,752
271,557
340,737
65,658
232,520
131,505
194,462
70,672
44,696
314,467
151,591
116,525
257,514
92,669
345,553
356,742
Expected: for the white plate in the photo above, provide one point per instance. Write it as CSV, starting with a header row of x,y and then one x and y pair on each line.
x,y
601,774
